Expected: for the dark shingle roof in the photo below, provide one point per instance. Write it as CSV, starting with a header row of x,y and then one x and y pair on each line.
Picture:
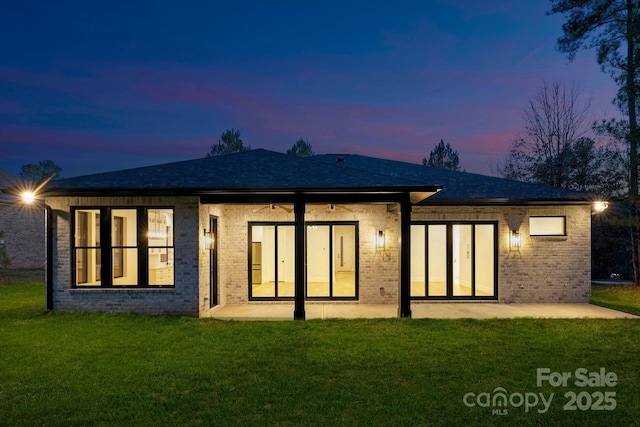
x,y
255,170
262,171
8,180
462,186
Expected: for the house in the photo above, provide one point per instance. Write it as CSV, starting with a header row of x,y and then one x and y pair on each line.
x,y
260,227
22,229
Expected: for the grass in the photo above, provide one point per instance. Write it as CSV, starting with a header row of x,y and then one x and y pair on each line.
x,y
17,275
623,298
78,369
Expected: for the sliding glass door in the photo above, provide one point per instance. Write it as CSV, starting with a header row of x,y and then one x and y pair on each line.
x,y
453,261
272,261
331,261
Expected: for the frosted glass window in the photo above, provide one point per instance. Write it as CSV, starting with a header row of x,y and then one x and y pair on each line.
x,y
547,226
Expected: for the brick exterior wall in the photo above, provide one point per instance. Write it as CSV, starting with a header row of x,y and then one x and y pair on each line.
x,y
182,299
23,230
544,269
378,272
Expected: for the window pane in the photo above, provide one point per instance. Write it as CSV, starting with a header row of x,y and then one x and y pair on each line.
x,y
161,252
87,228
547,226
485,254
344,264
437,250
417,261
87,243
263,261
87,267
161,272
124,228
461,235
160,227
318,258
125,266
286,260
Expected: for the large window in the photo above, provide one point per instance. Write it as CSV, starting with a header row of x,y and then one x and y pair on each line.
x,y
123,247
450,260
331,254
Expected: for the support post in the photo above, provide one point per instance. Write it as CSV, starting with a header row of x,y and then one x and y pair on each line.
x,y
300,248
49,249
404,304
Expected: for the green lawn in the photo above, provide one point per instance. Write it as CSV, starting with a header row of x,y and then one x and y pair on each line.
x,y
623,298
80,369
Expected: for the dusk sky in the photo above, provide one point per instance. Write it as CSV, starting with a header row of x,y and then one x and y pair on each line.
x,y
101,86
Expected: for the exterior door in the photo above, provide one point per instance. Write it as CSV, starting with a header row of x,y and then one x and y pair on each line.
x,y
213,263
344,253
332,261
454,261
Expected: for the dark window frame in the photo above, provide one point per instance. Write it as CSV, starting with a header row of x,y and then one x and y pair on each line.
x,y
356,225
250,260
331,224
106,246
214,297
496,250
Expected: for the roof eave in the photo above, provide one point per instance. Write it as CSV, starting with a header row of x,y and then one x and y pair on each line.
x,y
506,201
417,193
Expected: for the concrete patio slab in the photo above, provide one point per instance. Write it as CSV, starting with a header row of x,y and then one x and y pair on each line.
x,y
492,310
419,311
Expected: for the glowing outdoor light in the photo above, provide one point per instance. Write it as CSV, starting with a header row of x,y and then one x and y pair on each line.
x,y
380,239
28,197
208,239
515,239
600,206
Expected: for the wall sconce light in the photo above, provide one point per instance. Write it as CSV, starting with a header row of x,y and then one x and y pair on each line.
x,y
515,240
207,240
380,239
600,206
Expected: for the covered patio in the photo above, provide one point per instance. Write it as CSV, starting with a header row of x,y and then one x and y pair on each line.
x,y
434,310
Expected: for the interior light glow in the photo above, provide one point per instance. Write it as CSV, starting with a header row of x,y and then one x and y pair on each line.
x,y
156,235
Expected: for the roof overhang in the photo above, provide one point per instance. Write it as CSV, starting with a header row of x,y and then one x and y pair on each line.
x,y
510,202
254,195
